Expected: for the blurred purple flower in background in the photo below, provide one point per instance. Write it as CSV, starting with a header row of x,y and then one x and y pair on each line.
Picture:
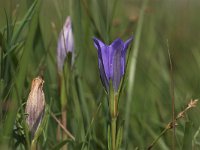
x,y
112,61
65,43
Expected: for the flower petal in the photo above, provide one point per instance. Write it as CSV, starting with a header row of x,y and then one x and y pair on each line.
x,y
100,45
104,49
68,36
123,58
126,44
117,45
104,79
61,54
115,58
98,42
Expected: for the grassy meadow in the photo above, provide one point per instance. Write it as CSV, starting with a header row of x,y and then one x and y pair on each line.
x,y
162,73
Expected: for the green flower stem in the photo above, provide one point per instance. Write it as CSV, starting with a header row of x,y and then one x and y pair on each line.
x,y
63,93
63,101
113,134
33,145
113,103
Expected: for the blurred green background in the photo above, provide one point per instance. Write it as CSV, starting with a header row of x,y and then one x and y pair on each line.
x,y
28,41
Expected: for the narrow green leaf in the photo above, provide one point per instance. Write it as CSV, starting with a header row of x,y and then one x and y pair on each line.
x,y
195,140
61,144
80,131
40,128
42,124
25,20
188,136
132,69
75,13
82,98
119,137
109,138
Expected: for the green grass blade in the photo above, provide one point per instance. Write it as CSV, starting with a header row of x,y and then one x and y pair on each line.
x,y
21,74
24,21
132,69
188,136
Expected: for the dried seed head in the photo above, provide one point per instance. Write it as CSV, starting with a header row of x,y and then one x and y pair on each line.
x,y
35,105
192,103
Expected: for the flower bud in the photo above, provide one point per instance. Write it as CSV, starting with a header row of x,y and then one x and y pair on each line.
x,y
65,43
35,105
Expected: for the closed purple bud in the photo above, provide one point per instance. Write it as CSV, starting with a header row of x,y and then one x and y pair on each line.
x,y
65,43
112,61
35,105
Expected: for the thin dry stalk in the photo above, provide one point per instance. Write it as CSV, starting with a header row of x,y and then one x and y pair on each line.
x,y
171,125
64,129
172,96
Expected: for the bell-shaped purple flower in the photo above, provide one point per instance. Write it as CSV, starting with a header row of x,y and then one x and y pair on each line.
x,y
65,43
112,61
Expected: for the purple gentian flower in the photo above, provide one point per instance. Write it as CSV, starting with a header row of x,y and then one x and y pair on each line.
x,y
112,61
65,43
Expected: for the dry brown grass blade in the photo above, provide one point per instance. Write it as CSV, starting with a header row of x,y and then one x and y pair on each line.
x,y
172,125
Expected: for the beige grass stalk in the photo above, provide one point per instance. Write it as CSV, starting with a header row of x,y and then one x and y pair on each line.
x,y
170,125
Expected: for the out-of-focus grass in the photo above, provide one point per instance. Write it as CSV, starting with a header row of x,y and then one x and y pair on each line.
x,y
33,53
